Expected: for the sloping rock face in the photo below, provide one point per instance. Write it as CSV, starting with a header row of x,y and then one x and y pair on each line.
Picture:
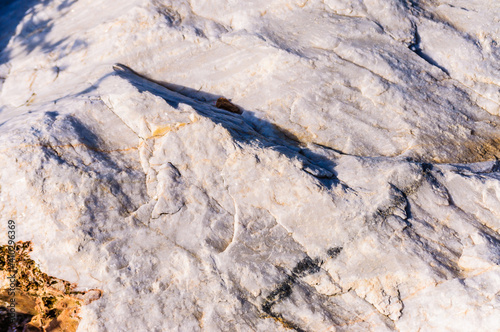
x,y
358,190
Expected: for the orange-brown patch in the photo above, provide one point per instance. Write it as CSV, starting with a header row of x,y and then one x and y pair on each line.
x,y
43,302
225,104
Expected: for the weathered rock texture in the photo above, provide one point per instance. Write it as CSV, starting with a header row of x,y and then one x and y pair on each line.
x,y
357,190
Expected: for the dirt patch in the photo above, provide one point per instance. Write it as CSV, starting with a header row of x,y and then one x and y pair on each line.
x,y
43,302
471,151
225,104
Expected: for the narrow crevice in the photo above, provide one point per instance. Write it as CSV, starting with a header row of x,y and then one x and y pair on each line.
x,y
284,289
246,129
415,47
169,213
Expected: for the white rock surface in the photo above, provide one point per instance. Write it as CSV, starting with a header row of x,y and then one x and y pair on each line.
x,y
358,191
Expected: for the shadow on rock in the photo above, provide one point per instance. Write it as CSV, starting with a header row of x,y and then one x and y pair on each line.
x,y
245,127
33,32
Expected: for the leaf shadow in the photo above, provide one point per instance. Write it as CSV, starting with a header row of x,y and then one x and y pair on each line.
x,y
20,15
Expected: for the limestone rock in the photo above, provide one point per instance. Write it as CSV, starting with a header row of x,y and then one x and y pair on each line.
x,y
357,188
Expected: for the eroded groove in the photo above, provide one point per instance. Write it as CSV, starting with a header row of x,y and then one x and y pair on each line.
x,y
415,48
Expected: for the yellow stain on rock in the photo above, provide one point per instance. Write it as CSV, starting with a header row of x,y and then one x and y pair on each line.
x,y
161,131
31,99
